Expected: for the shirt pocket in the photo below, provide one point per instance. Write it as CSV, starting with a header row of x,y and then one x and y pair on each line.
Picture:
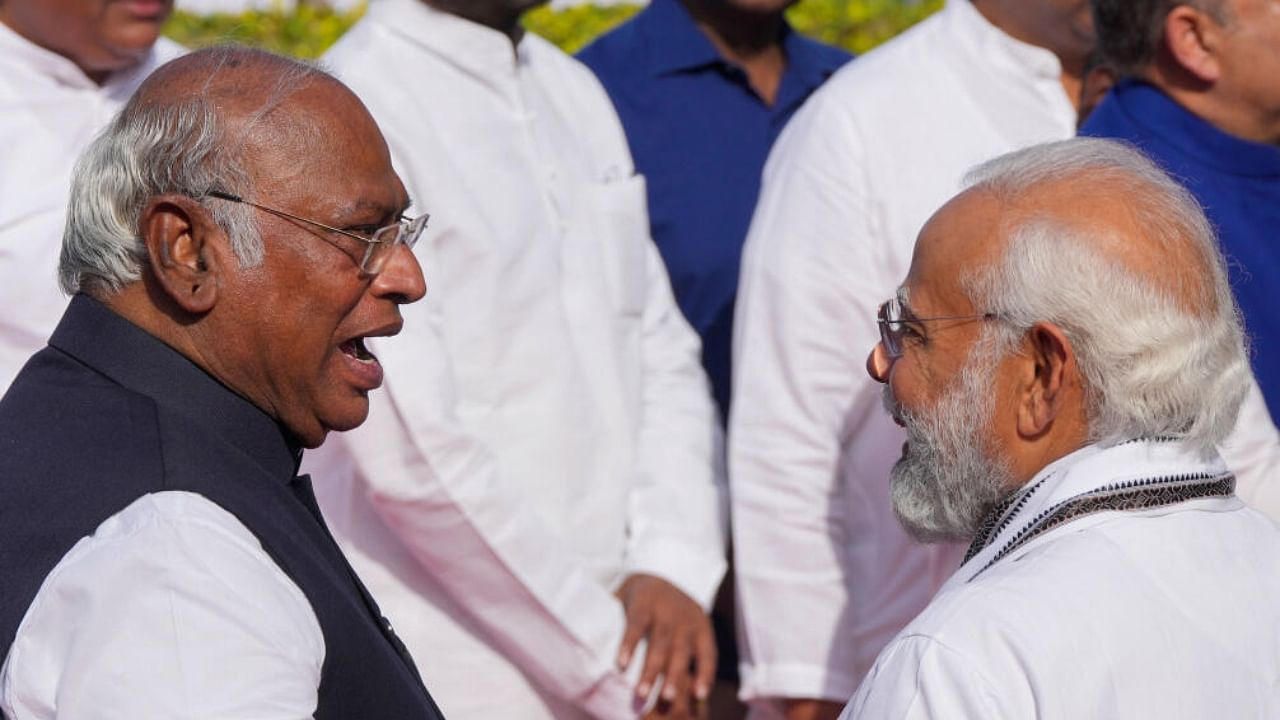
x,y
623,220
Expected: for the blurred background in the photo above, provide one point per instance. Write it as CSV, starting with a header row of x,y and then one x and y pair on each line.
x,y
306,28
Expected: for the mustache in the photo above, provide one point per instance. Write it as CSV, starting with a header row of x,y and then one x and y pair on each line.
x,y
891,406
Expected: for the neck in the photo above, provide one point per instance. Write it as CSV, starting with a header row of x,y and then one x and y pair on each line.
x,y
751,40
503,17
1213,105
737,34
1009,17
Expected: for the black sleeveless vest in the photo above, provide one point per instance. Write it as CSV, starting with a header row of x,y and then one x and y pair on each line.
x,y
106,414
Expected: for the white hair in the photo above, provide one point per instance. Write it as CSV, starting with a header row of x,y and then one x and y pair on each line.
x,y
159,144
948,478
1152,367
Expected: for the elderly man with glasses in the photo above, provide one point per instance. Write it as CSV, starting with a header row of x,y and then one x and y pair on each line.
x,y
1064,378
538,491
161,556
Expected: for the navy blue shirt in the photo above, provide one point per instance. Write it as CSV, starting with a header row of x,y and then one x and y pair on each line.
x,y
1237,182
700,136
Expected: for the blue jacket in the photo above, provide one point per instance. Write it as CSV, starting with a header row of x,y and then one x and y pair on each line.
x,y
1237,182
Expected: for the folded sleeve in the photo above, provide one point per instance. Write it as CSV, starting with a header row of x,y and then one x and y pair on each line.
x,y
678,509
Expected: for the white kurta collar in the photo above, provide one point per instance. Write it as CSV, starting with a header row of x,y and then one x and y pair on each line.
x,y
995,45
1090,479
473,48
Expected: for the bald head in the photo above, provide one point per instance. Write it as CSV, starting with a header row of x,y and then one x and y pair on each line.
x,y
1128,213
1091,236
1073,294
188,129
231,210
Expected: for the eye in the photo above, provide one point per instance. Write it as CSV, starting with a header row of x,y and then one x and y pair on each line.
x,y
364,230
912,332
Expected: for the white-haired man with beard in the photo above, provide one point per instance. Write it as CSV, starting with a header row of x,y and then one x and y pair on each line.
x,y
1065,354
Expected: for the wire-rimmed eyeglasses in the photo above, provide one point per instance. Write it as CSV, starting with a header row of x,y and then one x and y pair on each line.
x,y
893,324
378,246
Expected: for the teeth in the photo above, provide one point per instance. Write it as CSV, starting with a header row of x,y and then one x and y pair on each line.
x,y
362,353
356,349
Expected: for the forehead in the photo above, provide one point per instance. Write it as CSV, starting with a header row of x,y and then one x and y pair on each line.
x,y
961,236
321,148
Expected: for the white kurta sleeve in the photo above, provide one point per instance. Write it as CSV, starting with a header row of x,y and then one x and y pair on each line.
x,y
677,514
813,272
171,609
919,678
438,489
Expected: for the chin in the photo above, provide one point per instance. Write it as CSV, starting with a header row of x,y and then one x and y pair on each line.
x,y
349,417
312,430
761,7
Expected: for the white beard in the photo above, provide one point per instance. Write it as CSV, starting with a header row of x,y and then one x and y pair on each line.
x,y
945,483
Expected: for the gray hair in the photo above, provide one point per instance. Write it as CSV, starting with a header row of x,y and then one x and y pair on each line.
x,y
163,142
1130,31
1152,366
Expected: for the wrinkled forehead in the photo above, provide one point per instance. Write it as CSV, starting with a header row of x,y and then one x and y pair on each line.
x,y
302,138
321,147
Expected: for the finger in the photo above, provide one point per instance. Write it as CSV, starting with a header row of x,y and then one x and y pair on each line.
x,y
655,657
638,623
705,658
676,677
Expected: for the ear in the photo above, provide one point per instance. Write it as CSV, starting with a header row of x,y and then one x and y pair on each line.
x,y
177,231
1193,38
1050,362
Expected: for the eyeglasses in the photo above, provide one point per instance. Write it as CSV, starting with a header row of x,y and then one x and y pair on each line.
x,y
378,246
893,326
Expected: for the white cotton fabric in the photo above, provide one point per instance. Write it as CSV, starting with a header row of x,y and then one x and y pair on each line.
x,y
179,613
546,428
1169,612
49,112
825,575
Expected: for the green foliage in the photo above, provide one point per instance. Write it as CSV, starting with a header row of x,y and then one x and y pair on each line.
x,y
305,32
858,25
309,30
572,28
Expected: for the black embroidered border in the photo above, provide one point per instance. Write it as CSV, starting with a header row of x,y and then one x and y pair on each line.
x,y
999,518
1132,495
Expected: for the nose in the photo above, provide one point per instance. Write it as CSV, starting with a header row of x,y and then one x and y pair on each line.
x,y
879,363
401,278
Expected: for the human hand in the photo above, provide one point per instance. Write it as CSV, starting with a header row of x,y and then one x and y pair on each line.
x,y
808,709
681,647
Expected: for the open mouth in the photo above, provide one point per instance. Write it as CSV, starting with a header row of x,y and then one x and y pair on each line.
x,y
355,347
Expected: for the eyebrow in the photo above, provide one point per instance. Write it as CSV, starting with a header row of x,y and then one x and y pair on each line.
x,y
908,313
357,206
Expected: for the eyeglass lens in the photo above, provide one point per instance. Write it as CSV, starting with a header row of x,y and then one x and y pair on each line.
x,y
385,239
889,318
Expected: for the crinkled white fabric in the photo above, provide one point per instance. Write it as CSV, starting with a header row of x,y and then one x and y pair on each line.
x,y
825,575
1168,612
546,428
179,613
49,112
